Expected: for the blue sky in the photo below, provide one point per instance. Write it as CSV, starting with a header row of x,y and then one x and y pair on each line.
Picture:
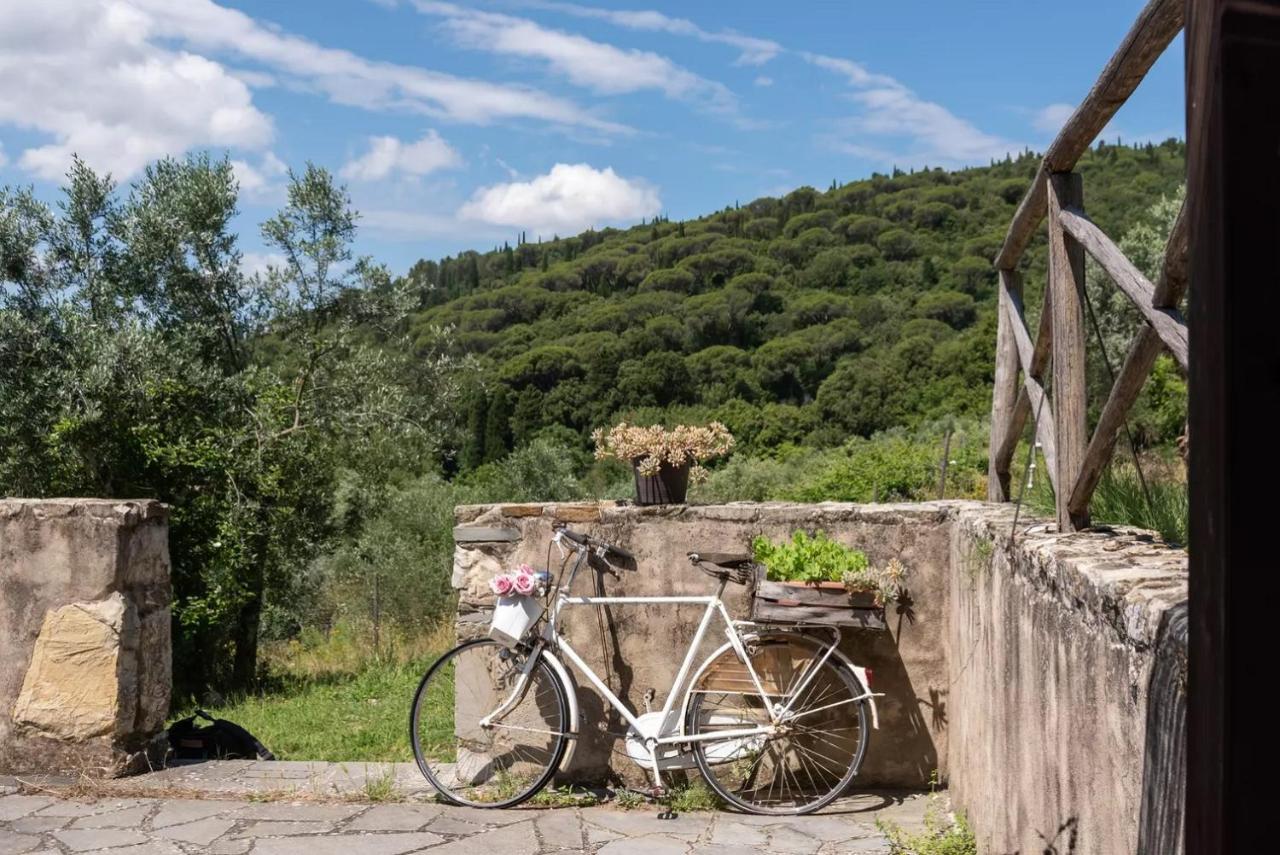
x,y
460,125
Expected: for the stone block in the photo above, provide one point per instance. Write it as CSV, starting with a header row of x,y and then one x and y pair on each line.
x,y
84,662
85,673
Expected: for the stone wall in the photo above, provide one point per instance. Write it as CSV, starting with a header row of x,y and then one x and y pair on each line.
x,y
1042,677
1057,643
639,647
84,634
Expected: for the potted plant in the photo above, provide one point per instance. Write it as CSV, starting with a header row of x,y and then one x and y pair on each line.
x,y
813,579
664,461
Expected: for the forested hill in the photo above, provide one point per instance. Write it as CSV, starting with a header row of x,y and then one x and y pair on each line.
x,y
803,319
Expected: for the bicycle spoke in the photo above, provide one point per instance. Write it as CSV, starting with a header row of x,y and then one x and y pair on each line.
x,y
804,765
506,762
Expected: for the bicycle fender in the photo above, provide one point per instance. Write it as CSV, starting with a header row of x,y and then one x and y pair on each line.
x,y
572,696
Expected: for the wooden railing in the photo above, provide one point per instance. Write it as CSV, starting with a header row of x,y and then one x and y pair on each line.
x,y
1075,459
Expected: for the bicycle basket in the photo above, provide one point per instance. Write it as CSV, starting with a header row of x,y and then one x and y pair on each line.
x,y
513,617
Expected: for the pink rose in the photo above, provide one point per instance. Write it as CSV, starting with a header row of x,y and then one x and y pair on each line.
x,y
502,584
526,583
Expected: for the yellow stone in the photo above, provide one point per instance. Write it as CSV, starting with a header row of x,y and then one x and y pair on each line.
x,y
576,513
522,510
72,689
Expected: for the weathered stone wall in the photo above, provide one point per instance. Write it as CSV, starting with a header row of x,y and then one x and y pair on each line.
x,y
84,633
1059,646
1043,677
638,647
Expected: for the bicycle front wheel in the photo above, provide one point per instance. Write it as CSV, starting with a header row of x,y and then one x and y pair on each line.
x,y
818,746
481,735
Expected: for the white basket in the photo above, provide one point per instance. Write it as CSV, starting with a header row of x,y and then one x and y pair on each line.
x,y
512,618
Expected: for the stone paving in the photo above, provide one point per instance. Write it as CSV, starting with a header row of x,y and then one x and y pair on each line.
x,y
299,823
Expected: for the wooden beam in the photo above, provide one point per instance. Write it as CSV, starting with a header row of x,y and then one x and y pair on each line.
x,y
1038,404
1151,33
1012,433
1172,283
1167,322
1128,384
1004,396
1070,402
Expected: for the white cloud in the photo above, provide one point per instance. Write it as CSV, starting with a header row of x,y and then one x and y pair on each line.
x,y
415,226
569,198
897,125
764,80
754,51
1050,119
261,179
349,79
123,82
388,154
89,77
254,263
597,66
3,159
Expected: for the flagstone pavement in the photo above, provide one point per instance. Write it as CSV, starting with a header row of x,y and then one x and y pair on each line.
x,y
37,817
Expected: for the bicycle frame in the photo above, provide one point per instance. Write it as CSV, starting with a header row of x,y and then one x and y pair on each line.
x,y
671,729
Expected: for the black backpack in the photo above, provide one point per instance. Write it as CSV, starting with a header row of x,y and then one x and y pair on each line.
x,y
218,740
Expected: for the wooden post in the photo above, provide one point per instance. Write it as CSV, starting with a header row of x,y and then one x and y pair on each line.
x,y
1233,209
1066,302
1004,397
942,467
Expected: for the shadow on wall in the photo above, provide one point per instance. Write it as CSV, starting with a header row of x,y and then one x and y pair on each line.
x,y
907,751
1164,764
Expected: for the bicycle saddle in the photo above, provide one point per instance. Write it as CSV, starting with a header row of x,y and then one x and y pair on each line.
x,y
733,566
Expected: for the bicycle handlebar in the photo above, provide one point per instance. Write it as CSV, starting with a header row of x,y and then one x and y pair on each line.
x,y
585,541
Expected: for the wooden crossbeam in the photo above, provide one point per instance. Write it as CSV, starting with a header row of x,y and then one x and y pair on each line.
x,y
1146,40
1147,345
1004,401
1037,399
1167,322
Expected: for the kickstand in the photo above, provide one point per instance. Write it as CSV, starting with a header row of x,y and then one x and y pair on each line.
x,y
656,793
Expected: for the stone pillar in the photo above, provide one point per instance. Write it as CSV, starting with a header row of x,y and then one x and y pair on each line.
x,y
85,656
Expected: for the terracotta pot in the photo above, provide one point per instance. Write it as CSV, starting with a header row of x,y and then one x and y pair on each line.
x,y
668,487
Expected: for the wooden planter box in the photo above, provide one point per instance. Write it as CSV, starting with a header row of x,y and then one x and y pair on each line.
x,y
826,603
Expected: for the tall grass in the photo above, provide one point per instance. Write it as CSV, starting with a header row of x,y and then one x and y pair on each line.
x,y
328,697
1121,500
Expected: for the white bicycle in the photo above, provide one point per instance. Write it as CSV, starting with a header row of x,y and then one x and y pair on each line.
x,y
775,718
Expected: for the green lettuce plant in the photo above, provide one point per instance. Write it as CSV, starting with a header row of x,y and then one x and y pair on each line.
x,y
820,559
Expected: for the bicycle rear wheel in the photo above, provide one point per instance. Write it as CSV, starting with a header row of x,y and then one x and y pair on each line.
x,y
816,753
504,762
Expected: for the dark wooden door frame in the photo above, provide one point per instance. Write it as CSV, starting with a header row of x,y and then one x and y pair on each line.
x,y
1233,199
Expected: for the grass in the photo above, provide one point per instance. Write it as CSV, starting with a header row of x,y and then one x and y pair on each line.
x,y
322,700
944,833
691,797
564,796
628,800
1120,499
383,788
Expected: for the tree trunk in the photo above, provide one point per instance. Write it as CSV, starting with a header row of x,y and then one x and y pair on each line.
x,y
244,669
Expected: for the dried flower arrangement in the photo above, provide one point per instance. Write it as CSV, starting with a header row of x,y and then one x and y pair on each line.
x,y
651,448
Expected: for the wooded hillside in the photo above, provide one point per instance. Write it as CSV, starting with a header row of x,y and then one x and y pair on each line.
x,y
804,319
